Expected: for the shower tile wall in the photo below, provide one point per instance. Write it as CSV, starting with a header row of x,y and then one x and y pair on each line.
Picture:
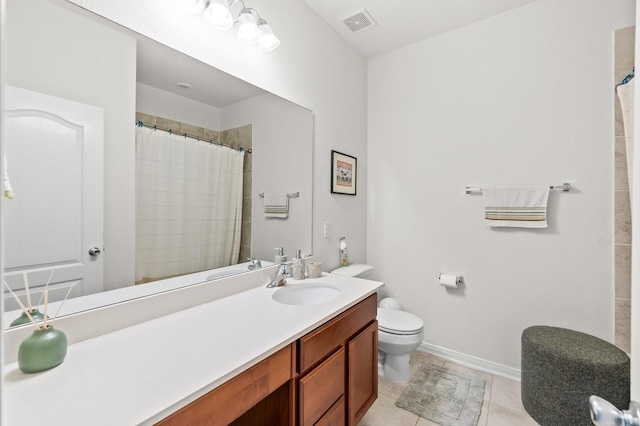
x,y
624,59
239,137
243,137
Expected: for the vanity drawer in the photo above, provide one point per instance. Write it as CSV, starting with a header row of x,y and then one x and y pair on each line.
x,y
321,388
230,400
335,416
322,341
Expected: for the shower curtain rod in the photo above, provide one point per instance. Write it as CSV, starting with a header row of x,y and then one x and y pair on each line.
x,y
140,123
628,77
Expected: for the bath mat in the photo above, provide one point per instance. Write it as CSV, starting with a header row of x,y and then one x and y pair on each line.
x,y
444,396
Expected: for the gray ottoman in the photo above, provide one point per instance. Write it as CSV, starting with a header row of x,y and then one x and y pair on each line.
x,y
561,368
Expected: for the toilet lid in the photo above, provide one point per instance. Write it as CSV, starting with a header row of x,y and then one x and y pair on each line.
x,y
353,270
398,322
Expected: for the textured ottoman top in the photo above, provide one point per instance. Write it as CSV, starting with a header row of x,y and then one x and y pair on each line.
x,y
561,368
574,345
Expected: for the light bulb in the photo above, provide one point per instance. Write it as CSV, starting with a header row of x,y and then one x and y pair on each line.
x,y
191,7
248,27
268,41
218,14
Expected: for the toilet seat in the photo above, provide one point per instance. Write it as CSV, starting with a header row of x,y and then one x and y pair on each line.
x,y
397,322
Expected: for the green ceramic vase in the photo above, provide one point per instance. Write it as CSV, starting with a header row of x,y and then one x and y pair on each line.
x,y
24,319
43,350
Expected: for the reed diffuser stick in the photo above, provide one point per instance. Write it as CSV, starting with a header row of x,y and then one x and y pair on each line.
x,y
46,286
25,310
62,304
46,303
26,288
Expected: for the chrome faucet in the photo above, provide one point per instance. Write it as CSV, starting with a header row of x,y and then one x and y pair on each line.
x,y
255,264
282,273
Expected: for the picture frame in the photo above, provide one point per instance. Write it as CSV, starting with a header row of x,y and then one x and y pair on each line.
x,y
344,173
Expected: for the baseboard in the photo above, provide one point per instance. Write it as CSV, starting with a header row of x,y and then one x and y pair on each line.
x,y
471,361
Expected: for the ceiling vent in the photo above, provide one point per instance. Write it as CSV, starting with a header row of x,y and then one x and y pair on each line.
x,y
359,21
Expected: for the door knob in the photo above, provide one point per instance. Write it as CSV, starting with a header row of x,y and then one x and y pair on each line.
x,y
94,251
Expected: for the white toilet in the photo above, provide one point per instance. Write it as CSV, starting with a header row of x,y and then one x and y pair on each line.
x,y
399,332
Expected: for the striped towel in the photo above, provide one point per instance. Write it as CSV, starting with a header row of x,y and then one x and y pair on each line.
x,y
276,204
524,207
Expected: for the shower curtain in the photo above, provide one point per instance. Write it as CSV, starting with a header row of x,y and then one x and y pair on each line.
x,y
625,94
188,205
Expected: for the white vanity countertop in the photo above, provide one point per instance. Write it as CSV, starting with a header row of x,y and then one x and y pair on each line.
x,y
143,373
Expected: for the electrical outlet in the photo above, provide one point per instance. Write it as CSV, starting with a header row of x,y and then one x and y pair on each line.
x,y
327,229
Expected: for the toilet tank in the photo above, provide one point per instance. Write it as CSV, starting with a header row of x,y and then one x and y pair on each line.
x,y
358,270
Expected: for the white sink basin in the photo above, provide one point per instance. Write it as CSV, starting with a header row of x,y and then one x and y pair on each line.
x,y
306,294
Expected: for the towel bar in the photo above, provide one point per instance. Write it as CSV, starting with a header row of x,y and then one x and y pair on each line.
x,y
564,187
290,195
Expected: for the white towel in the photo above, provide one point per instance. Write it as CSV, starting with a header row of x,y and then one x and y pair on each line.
x,y
276,204
524,207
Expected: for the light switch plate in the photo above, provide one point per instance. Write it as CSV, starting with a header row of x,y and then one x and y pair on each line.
x,y
327,229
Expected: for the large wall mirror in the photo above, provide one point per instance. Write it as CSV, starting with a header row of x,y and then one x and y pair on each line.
x,y
93,115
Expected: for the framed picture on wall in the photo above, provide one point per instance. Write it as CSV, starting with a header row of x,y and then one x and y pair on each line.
x,y
343,173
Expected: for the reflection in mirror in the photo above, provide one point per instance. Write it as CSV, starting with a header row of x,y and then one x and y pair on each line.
x,y
91,207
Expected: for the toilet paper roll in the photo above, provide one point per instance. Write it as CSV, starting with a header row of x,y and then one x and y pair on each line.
x,y
449,280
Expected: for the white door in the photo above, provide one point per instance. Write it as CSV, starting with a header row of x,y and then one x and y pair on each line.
x,y
54,157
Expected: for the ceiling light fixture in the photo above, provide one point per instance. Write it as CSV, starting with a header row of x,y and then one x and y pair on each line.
x,y
218,15
268,41
248,27
251,27
191,7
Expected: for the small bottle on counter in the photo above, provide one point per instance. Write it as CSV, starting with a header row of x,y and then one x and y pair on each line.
x,y
298,266
280,256
344,258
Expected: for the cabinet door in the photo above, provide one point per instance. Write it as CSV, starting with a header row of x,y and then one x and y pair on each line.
x,y
362,372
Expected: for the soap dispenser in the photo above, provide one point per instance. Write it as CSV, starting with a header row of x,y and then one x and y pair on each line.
x,y
344,259
280,256
298,266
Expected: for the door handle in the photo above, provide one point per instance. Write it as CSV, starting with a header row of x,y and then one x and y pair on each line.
x,y
603,413
94,251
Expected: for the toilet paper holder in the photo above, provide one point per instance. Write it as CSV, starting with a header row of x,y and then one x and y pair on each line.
x,y
451,281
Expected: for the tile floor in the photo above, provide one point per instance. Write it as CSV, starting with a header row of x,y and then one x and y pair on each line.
x,y
502,405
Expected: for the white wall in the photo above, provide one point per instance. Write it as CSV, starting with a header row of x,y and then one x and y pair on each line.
x,y
160,103
313,67
525,97
45,54
282,157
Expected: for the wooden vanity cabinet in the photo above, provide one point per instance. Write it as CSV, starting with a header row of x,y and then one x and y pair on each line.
x,y
335,416
345,348
329,377
262,387
321,388
362,372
